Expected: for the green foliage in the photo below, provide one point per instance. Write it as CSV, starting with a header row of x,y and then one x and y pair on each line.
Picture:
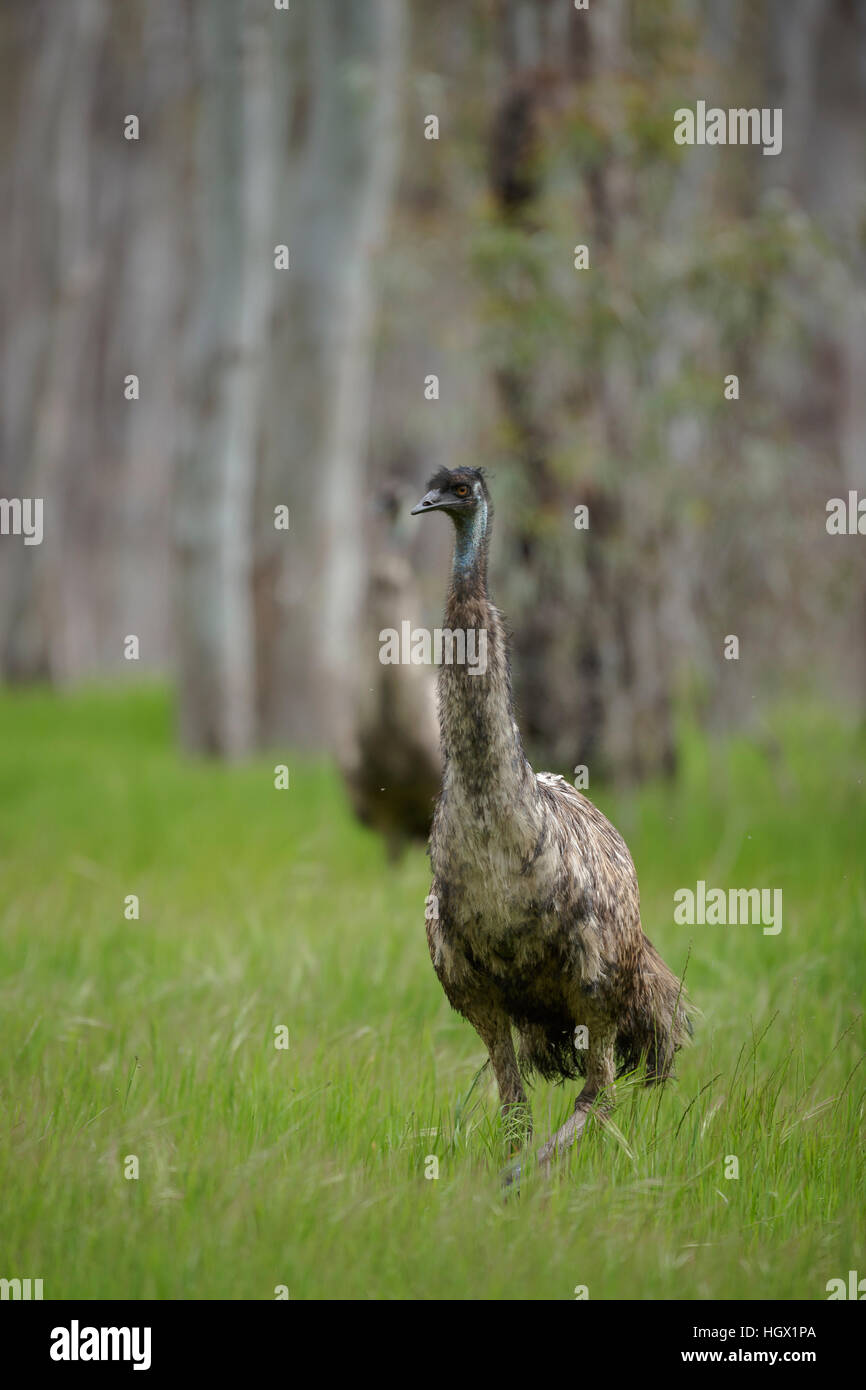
x,y
305,1167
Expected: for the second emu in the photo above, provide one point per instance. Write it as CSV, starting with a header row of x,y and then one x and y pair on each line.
x,y
534,921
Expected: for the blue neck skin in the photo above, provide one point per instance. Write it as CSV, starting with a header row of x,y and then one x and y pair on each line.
x,y
469,544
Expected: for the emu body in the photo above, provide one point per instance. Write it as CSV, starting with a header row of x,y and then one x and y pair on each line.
x,y
535,926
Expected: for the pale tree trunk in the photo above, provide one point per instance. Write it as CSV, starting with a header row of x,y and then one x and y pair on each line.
x,y
682,636
350,354
28,290
235,179
52,299
149,308
335,211
839,165
817,55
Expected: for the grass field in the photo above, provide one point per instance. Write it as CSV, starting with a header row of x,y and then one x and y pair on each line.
x,y
305,1166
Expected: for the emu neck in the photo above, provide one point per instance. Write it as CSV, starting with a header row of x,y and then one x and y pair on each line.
x,y
469,566
486,771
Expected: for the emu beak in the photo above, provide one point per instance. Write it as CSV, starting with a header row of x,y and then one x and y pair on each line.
x,y
429,503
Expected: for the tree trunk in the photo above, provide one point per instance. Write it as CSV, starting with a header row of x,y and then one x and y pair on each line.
x,y
235,168
309,586
52,302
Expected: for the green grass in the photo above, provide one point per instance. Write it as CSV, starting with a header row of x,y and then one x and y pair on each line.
x,y
305,1167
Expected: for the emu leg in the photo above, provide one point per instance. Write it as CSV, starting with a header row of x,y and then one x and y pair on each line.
x,y
495,1033
600,1073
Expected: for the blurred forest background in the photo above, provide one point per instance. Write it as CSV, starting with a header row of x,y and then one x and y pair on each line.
x,y
262,387
167,388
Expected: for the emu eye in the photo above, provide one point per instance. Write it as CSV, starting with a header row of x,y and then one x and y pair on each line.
x,y
461,490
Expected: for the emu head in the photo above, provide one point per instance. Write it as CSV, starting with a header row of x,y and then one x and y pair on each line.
x,y
461,492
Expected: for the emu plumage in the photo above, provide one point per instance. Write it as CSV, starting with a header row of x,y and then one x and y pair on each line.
x,y
533,921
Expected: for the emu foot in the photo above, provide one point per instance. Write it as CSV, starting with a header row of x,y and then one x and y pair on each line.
x,y
509,1178
571,1132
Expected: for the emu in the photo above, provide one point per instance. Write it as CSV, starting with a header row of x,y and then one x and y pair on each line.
x,y
533,921
391,762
